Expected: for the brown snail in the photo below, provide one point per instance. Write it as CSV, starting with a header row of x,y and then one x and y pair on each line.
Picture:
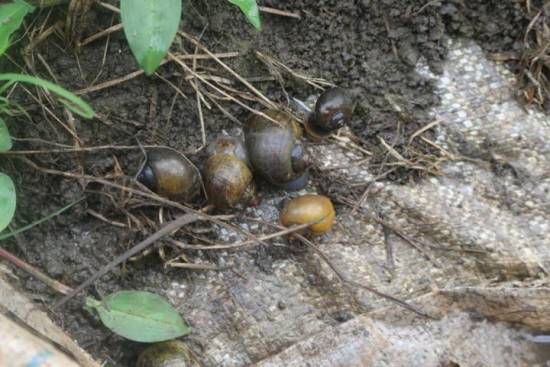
x,y
171,353
227,178
309,208
275,151
170,174
332,111
226,144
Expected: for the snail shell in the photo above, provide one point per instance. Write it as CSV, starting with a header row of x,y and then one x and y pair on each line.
x,y
171,353
274,150
230,145
170,174
333,110
228,181
309,208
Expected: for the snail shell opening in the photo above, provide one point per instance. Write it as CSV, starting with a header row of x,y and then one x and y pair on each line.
x,y
333,110
171,174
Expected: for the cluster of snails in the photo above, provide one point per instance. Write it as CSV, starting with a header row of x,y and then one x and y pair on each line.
x,y
273,149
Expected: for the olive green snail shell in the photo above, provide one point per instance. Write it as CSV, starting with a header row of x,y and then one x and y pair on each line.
x,y
274,150
170,174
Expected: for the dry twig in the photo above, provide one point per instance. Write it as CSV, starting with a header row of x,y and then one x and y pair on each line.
x,y
347,281
282,13
167,229
139,72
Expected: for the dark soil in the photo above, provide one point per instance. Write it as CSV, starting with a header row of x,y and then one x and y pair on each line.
x,y
369,46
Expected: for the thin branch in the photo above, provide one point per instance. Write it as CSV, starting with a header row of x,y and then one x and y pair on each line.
x,y
282,13
167,229
52,283
139,72
268,103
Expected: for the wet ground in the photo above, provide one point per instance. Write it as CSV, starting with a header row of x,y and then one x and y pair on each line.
x,y
397,56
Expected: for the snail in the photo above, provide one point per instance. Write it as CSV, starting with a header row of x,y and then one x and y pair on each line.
x,y
227,177
275,151
332,111
171,174
225,144
309,208
171,353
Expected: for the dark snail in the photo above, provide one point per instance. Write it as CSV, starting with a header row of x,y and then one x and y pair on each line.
x,y
275,152
227,178
309,208
169,173
165,354
332,111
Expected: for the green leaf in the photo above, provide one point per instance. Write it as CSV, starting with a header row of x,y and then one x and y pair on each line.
x,y
140,316
250,9
5,139
150,27
71,101
11,17
7,200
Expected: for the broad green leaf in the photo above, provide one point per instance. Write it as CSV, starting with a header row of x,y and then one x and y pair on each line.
x,y
71,101
150,27
11,17
250,10
7,200
140,316
5,139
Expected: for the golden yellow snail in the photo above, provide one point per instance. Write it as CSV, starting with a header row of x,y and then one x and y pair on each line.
x,y
309,208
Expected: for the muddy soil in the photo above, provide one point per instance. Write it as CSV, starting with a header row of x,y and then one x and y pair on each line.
x,y
369,46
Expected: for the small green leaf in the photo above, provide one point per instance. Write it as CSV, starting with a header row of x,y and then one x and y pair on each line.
x,y
11,17
250,10
140,316
5,138
71,101
7,201
150,27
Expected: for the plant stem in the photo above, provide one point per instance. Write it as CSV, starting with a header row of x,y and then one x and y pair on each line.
x,y
167,229
52,283
91,302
